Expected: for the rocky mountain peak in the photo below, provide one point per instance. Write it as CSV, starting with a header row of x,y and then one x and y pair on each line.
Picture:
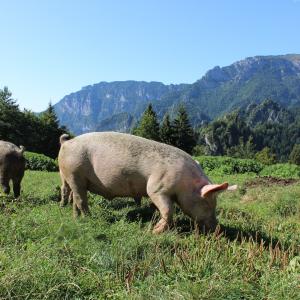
x,y
220,90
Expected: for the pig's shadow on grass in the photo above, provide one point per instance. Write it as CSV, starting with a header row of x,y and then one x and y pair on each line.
x,y
184,225
142,214
120,203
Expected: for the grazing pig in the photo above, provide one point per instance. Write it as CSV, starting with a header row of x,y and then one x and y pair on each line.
x,y
114,164
12,166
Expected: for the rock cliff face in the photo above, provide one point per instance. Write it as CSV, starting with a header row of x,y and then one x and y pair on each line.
x,y
87,109
121,122
220,90
253,79
267,112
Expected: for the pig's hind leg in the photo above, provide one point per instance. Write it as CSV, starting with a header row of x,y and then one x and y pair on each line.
x,y
70,199
79,193
65,193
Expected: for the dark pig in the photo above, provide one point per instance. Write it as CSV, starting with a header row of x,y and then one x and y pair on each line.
x,y
12,167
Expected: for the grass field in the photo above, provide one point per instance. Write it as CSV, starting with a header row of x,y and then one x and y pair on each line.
x,y
254,253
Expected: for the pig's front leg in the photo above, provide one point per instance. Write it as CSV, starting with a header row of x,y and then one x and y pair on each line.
x,y
4,183
166,208
17,186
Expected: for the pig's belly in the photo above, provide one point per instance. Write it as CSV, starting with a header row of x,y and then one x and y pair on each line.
x,y
128,185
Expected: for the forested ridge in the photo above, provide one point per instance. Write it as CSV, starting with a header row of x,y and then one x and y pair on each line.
x,y
37,133
266,131
119,105
266,127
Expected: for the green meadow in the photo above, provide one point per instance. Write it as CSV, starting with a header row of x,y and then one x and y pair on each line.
x,y
253,254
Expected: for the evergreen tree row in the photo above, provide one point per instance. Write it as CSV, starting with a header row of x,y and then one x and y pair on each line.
x,y
230,135
178,132
36,133
268,142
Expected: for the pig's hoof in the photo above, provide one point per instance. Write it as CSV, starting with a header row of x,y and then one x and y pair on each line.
x,y
160,227
86,214
76,216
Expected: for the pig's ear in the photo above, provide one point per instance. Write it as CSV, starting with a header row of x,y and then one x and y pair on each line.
x,y
232,187
22,149
208,189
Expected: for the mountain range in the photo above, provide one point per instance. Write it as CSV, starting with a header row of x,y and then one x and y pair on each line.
x,y
241,85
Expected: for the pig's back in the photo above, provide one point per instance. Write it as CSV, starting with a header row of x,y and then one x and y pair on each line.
x,y
117,164
106,151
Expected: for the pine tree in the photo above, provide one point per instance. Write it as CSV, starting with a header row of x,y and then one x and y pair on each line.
x,y
51,131
10,118
166,132
37,133
265,156
183,132
49,117
6,99
295,155
148,126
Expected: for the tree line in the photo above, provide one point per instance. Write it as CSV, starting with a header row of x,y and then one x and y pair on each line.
x,y
37,133
230,135
178,133
268,142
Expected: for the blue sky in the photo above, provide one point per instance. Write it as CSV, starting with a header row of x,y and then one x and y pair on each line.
x,y
52,48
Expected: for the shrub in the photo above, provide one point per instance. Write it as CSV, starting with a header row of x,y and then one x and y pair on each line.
x,y
265,156
295,155
229,165
281,171
40,162
199,150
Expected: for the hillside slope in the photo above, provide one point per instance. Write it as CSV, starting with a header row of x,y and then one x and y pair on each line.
x,y
220,90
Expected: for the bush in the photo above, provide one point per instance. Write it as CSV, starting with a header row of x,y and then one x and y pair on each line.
x,y
199,150
40,162
281,171
295,155
265,156
229,165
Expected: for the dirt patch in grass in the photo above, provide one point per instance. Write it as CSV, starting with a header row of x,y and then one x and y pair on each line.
x,y
269,181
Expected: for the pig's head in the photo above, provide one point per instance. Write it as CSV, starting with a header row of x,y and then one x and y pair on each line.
x,y
204,210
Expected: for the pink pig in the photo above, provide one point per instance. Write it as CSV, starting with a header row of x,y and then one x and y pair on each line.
x,y
115,164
